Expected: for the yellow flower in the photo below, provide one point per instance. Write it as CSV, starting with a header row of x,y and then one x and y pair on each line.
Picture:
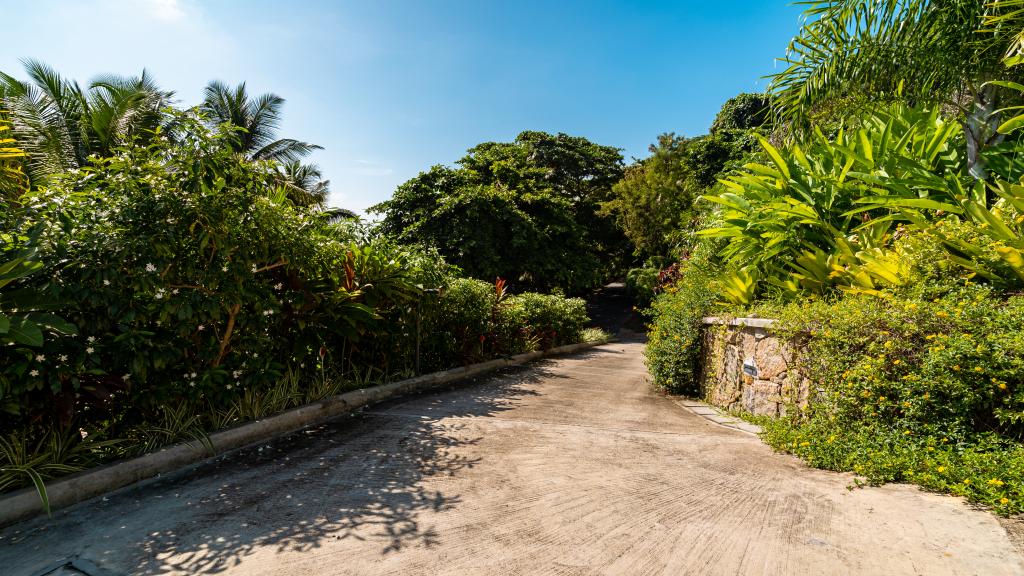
x,y
956,367
913,306
940,469
888,344
931,448
881,398
1004,501
1002,385
926,396
896,362
967,480
907,432
805,443
978,369
941,314
995,482
930,337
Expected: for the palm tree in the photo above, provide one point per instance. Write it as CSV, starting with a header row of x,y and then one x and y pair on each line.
x,y
59,124
304,183
258,119
925,51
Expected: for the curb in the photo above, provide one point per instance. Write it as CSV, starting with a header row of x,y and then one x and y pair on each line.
x,y
717,416
82,486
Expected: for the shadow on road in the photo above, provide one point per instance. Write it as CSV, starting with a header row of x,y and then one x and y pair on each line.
x,y
366,477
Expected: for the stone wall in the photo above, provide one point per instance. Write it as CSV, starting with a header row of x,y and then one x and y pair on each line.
x,y
746,367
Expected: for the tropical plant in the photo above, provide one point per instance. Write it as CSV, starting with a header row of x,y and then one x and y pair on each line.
x,y
60,125
929,52
258,118
305,183
815,219
12,178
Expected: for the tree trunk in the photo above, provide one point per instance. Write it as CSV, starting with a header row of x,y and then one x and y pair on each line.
x,y
980,130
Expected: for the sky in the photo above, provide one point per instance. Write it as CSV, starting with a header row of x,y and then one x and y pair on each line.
x,y
392,87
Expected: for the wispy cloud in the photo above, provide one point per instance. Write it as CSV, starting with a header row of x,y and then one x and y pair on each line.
x,y
371,168
166,10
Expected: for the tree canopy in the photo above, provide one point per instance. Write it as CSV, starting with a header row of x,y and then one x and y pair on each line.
x,y
526,210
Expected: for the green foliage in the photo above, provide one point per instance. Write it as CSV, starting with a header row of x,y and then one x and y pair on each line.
x,y
948,54
641,283
60,124
525,210
821,216
654,201
477,320
924,391
674,341
743,112
204,296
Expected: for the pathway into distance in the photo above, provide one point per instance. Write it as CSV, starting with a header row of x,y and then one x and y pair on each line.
x,y
569,466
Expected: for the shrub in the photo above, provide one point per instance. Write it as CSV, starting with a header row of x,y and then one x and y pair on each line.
x,y
542,321
475,320
924,391
674,341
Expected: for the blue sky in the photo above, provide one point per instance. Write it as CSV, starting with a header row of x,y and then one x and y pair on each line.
x,y
390,88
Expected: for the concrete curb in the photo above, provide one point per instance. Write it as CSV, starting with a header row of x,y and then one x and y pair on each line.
x,y
717,416
76,488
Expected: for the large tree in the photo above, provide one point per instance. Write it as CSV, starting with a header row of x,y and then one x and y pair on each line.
x,y
654,202
526,210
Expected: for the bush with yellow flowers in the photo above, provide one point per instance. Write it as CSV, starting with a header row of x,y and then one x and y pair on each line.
x,y
913,390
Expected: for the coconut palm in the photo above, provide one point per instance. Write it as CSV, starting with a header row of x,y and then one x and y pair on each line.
x,y
258,118
305,183
59,124
937,51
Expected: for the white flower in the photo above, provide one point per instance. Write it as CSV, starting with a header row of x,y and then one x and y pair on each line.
x,y
278,286
224,268
63,357
34,373
150,267
82,433
200,327
175,291
90,339
228,386
253,268
126,377
106,282
40,358
159,293
90,350
192,375
237,374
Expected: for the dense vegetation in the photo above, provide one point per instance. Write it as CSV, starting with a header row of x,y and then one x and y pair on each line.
x,y
165,271
169,272
879,217
527,210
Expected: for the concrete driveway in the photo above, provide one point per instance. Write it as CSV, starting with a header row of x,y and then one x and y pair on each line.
x,y
571,466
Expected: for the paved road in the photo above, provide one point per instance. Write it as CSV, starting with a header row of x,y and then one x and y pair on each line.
x,y
572,466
